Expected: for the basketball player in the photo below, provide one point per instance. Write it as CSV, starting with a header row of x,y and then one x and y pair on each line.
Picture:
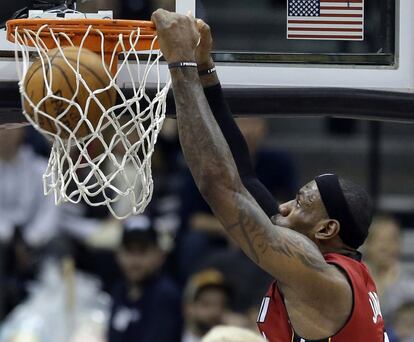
x,y
322,291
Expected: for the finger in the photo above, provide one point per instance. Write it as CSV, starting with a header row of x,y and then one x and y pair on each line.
x,y
154,17
158,16
202,26
191,17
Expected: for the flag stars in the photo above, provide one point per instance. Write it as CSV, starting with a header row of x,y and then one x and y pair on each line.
x,y
306,20
304,8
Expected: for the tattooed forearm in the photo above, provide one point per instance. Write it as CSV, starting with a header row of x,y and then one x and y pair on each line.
x,y
204,147
297,247
242,229
281,252
259,239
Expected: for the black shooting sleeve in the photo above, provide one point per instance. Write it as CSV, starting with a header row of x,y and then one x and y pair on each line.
x,y
239,149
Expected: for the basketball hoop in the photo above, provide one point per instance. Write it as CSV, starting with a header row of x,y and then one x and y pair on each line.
x,y
112,165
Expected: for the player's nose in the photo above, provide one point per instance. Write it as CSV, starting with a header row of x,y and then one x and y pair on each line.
x,y
285,208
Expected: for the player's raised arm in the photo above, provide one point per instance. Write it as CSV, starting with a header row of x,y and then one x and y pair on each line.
x,y
224,117
290,257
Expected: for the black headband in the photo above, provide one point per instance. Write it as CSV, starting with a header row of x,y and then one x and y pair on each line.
x,y
337,208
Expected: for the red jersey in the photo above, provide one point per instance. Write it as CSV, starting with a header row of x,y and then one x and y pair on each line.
x,y
365,323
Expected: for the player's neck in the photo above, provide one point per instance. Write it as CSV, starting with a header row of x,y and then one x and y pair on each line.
x,y
342,249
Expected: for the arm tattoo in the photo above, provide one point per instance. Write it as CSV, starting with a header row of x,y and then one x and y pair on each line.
x,y
298,247
245,226
278,250
259,238
204,147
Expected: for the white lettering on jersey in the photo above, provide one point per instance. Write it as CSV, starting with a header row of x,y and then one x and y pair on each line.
x,y
263,310
375,305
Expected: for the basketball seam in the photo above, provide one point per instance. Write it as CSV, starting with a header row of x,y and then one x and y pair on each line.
x,y
47,76
72,90
40,66
93,73
62,71
68,107
61,68
27,82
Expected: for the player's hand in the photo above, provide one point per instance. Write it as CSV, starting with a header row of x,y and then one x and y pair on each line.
x,y
203,57
178,35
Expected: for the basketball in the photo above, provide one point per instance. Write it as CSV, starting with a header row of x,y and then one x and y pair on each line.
x,y
69,103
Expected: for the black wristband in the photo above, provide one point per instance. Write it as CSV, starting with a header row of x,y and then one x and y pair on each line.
x,y
182,65
207,71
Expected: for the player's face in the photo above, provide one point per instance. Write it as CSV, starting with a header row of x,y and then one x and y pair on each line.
x,y
138,262
303,213
208,309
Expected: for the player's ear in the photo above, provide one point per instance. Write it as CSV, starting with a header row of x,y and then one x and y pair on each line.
x,y
327,229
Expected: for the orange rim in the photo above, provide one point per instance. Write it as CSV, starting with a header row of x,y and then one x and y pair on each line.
x,y
75,29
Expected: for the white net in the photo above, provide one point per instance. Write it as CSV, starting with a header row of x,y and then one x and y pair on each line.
x,y
100,159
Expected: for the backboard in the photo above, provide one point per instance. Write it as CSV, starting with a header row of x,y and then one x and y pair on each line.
x,y
356,56
263,44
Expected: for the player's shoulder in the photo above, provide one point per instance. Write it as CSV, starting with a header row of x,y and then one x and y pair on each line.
x,y
351,265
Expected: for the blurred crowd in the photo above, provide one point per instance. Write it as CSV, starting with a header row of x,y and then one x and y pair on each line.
x,y
170,274
74,273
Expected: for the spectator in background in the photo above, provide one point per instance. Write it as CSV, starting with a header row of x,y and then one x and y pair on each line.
x,y
22,202
231,334
146,304
28,219
275,168
202,232
236,267
382,252
206,299
403,323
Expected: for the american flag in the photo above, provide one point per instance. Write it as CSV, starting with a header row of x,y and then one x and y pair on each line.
x,y
325,19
